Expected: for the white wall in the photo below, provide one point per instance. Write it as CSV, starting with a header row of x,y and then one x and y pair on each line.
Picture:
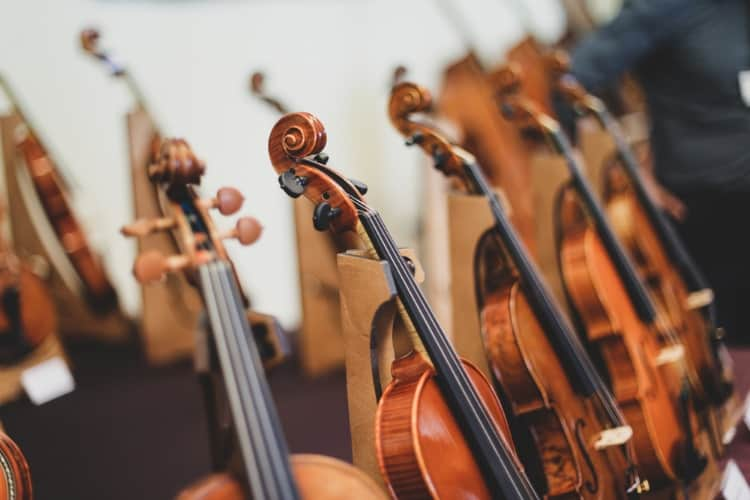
x,y
332,58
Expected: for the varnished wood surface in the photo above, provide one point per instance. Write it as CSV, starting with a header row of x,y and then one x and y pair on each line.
x,y
15,476
420,449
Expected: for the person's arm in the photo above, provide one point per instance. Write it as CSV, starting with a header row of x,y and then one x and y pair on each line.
x,y
602,57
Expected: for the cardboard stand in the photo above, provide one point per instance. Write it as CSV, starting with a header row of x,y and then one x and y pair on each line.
x,y
320,343
169,309
373,337
33,236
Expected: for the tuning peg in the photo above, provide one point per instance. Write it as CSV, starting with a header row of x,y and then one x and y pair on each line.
x,y
361,186
439,157
417,138
152,265
144,227
292,185
228,200
322,157
323,214
246,231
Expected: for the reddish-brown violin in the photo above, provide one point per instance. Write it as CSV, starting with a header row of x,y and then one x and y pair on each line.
x,y
440,429
15,476
263,467
616,311
54,199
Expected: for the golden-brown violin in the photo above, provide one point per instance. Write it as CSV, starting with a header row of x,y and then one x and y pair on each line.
x,y
15,476
54,198
264,467
440,429
570,415
659,254
616,311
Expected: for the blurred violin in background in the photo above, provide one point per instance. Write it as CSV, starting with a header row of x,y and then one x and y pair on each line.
x,y
257,464
54,198
650,381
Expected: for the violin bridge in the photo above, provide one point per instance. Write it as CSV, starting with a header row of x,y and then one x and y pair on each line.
x,y
617,436
670,354
699,298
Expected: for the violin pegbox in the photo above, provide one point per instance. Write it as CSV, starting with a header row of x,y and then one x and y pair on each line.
x,y
408,99
176,173
507,83
89,39
295,147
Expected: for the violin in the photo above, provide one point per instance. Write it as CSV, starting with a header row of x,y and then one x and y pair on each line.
x,y
658,252
437,405
266,469
51,189
27,311
15,476
616,311
534,354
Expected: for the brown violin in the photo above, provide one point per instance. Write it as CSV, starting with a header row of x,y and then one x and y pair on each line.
x,y
53,196
265,469
616,311
440,429
658,252
15,478
544,370
27,312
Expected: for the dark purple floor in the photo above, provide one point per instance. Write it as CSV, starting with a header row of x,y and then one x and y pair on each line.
x,y
133,431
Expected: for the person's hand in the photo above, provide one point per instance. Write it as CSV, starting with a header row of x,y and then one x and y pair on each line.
x,y
665,199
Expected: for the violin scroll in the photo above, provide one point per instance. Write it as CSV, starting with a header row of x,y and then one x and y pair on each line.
x,y
408,98
177,164
295,147
507,83
90,41
257,87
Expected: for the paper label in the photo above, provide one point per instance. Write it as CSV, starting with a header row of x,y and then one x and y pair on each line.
x,y
734,485
744,79
47,380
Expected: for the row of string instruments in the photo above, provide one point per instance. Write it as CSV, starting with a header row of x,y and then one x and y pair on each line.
x,y
583,359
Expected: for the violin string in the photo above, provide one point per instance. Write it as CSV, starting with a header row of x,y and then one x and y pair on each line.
x,y
552,310
445,350
265,453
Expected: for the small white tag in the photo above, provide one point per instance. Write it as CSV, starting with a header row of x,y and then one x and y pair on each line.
x,y
734,485
48,380
744,79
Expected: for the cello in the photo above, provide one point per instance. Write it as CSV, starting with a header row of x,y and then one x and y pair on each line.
x,y
534,354
616,311
265,468
52,192
15,476
657,250
436,405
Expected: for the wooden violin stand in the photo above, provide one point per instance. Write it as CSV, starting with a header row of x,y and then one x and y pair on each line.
x,y
32,236
598,149
167,333
469,218
319,343
372,337
549,176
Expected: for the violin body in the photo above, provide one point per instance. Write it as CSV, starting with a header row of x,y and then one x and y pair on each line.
x,y
639,237
420,448
563,426
54,200
628,347
317,476
15,476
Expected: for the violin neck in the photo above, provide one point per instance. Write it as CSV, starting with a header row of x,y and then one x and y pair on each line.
x,y
636,290
668,236
581,371
497,464
256,423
